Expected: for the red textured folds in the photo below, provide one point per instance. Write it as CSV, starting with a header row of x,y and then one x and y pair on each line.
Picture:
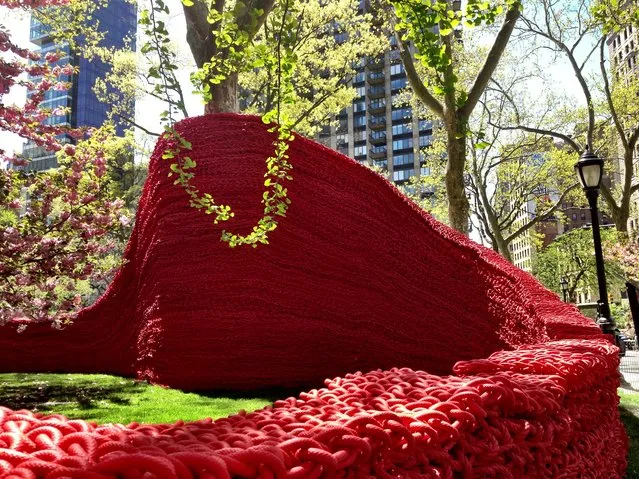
x,y
519,384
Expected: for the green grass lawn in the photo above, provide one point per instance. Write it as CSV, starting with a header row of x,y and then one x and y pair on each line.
x,y
111,399
630,416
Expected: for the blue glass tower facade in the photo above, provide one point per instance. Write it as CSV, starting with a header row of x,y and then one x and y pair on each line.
x,y
118,21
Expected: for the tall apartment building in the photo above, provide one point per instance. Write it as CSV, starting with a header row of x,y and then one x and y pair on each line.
x,y
118,20
623,52
375,129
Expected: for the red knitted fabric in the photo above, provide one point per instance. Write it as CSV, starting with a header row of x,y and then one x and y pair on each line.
x,y
355,278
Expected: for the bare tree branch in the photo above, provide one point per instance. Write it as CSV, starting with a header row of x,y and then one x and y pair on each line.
x,y
541,217
611,105
492,60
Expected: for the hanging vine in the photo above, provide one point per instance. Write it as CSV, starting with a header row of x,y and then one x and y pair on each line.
x,y
234,46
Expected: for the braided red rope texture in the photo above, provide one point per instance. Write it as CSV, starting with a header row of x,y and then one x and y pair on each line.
x,y
536,412
355,278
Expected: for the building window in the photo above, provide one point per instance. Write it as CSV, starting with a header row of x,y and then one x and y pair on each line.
x,y
359,135
402,175
574,216
425,125
398,83
401,114
583,216
379,103
406,143
397,69
425,140
405,159
359,150
401,129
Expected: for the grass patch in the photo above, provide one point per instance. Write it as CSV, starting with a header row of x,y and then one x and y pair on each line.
x,y
629,409
111,399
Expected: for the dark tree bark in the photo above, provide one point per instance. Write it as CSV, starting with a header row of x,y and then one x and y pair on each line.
x,y
201,35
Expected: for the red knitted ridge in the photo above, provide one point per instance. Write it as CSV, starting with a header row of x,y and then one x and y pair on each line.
x,y
533,413
355,278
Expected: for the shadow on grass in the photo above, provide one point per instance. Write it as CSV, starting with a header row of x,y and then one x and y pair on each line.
x,y
31,393
270,394
631,421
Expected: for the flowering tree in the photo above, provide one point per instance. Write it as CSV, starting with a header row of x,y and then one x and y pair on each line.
x,y
627,255
55,227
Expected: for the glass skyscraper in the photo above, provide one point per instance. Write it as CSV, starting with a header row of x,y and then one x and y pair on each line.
x,y
118,20
375,128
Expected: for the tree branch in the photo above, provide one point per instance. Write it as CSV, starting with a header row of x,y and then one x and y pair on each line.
x,y
539,218
415,82
611,105
607,196
540,131
492,60
136,125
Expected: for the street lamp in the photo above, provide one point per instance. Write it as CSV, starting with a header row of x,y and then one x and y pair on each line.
x,y
564,288
589,171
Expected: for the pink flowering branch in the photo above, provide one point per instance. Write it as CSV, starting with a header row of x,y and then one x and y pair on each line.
x,y
56,227
61,225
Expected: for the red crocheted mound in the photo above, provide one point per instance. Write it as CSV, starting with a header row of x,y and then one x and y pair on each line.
x,y
355,278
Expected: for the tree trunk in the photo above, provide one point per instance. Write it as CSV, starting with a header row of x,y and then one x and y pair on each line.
x,y
225,98
620,217
458,206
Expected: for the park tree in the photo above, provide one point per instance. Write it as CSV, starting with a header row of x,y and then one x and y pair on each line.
x,y
517,180
604,119
279,45
331,41
571,256
626,254
58,234
57,228
428,39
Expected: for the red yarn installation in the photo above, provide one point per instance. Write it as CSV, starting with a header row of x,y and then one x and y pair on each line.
x,y
355,278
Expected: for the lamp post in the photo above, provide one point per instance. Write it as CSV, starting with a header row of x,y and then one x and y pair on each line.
x,y
589,171
564,288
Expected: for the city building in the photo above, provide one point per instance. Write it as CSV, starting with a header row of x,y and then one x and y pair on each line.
x,y
524,247
622,51
376,129
118,20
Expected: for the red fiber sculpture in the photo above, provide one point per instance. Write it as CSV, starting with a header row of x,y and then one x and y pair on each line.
x,y
356,278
